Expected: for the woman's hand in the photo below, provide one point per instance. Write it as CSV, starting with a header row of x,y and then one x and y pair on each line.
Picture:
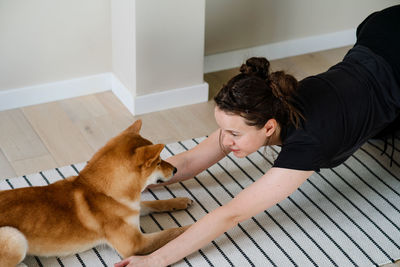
x,y
136,261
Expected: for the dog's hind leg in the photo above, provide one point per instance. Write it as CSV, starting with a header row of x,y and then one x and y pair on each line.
x,y
153,241
13,246
172,204
129,241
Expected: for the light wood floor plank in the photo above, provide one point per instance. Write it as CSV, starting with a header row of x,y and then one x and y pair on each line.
x,y
98,130
114,106
97,117
83,108
34,165
179,123
18,139
61,137
6,170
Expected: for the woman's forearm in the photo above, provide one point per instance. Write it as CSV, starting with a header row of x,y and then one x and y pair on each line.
x,y
192,162
198,235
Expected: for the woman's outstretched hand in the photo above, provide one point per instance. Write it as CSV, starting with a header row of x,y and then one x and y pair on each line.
x,y
135,261
125,262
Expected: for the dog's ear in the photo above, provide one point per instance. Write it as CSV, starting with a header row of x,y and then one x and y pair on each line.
x,y
148,154
135,127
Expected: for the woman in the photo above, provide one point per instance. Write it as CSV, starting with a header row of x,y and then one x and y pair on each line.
x,y
319,122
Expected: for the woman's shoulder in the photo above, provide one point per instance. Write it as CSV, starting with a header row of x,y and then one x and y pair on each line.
x,y
300,151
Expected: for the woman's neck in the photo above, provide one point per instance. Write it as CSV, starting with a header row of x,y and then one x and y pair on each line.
x,y
275,139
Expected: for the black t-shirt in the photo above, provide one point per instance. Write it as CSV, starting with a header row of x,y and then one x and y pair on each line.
x,y
343,107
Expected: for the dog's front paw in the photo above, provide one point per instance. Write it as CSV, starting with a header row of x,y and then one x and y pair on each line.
x,y
182,203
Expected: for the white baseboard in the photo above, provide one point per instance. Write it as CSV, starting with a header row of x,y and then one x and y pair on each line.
x,y
171,98
43,93
278,50
161,100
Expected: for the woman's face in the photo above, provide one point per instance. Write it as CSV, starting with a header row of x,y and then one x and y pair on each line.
x,y
237,136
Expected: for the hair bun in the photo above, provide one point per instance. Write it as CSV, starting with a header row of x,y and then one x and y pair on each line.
x,y
258,66
283,85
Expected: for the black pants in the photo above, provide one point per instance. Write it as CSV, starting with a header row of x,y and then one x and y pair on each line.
x,y
380,32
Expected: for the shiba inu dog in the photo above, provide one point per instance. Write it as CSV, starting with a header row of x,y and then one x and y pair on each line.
x,y
100,205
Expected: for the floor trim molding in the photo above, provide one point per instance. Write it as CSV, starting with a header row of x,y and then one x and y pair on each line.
x,y
233,59
44,93
171,98
160,100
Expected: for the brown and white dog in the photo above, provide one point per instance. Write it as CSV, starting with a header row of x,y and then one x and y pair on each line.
x,y
100,205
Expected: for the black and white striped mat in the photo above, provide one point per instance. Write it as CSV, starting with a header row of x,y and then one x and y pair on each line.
x,y
346,216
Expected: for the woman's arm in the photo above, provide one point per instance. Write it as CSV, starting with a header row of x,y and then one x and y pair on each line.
x,y
271,188
192,162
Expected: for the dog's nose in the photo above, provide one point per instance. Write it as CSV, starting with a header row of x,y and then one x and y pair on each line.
x,y
174,171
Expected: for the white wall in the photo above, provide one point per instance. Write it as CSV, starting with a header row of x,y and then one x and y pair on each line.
x,y
45,41
51,49
239,24
148,52
169,43
123,54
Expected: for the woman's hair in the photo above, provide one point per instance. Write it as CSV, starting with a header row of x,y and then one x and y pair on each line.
x,y
258,95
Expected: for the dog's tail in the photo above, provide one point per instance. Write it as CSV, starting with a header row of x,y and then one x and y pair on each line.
x,y
13,246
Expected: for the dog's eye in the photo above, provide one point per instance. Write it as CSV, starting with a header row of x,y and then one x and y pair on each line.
x,y
159,163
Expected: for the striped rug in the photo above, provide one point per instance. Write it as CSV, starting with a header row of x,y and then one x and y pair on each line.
x,y
345,216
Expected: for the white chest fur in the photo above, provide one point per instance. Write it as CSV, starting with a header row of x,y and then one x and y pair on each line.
x,y
135,206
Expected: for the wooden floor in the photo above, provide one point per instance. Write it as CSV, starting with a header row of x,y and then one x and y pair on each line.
x,y
56,134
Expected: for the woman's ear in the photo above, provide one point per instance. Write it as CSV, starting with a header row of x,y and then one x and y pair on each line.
x,y
270,127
